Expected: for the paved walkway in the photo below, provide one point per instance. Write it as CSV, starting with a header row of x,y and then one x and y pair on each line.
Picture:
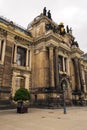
x,y
44,119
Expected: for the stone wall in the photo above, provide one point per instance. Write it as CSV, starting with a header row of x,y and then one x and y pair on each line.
x,y
6,72
41,73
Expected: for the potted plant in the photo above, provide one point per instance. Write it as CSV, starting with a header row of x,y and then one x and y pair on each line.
x,y
22,95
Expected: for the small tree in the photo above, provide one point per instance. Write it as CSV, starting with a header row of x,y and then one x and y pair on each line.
x,y
22,94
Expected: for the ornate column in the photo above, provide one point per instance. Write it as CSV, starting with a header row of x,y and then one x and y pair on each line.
x,y
82,75
56,68
77,74
51,66
0,49
85,72
13,85
3,51
27,58
15,53
27,80
68,68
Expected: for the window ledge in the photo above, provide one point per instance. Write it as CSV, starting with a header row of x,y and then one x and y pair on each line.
x,y
62,72
25,68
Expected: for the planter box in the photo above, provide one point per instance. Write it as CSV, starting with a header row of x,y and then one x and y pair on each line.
x,y
22,109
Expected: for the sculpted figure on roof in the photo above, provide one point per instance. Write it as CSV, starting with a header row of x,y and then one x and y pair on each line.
x,y
44,11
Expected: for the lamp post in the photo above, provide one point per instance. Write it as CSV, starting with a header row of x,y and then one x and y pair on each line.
x,y
64,103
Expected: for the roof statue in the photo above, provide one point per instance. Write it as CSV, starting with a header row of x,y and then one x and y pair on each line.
x,y
74,43
61,29
44,11
49,15
68,30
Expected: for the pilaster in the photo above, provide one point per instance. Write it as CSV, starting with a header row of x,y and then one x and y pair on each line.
x,y
30,56
68,68
77,74
51,66
15,53
27,58
0,49
56,64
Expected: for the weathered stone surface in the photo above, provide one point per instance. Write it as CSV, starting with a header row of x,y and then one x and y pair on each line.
x,y
41,71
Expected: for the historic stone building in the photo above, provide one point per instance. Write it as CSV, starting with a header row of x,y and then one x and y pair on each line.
x,y
44,58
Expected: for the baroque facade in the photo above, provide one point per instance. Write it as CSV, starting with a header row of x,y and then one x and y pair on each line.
x,y
44,58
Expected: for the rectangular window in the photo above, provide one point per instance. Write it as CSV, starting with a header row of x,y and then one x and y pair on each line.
x,y
65,63
21,56
60,63
0,82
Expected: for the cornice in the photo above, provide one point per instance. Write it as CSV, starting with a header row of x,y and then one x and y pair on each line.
x,y
64,48
45,38
15,32
19,39
77,50
50,35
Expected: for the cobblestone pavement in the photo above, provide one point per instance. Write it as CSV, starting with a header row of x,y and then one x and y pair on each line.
x,y
44,119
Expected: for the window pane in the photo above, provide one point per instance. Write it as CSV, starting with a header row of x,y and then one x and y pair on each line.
x,y
65,64
60,63
21,56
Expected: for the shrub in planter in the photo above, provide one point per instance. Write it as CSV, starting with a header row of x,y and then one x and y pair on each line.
x,y
21,95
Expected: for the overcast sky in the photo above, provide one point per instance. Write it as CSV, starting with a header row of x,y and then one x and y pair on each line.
x,y
70,12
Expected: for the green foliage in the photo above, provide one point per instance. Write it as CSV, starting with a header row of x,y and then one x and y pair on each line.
x,y
22,94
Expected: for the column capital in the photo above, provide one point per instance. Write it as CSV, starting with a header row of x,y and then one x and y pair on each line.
x,y
44,48
51,46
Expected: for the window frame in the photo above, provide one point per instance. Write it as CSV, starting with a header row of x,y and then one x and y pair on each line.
x,y
18,83
21,56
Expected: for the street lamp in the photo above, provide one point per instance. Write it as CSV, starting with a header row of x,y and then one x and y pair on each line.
x,y
64,103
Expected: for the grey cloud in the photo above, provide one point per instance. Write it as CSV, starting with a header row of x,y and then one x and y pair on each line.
x,y
71,12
